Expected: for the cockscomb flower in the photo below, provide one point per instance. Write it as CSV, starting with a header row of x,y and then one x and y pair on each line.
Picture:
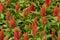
x,y
35,20
58,17
8,1
30,26
7,38
44,20
42,33
44,38
16,34
53,32
29,9
7,15
2,34
26,36
17,7
56,11
32,7
58,35
43,11
34,28
20,34
48,2
25,12
12,22
2,7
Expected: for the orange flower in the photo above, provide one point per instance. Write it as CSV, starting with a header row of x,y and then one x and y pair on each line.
x,y
48,2
8,15
53,32
43,11
2,34
26,36
59,17
2,6
12,23
17,7
8,1
56,11
59,35
44,20
25,12
16,34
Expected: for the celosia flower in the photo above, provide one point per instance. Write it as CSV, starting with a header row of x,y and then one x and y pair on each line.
x,y
2,34
32,7
44,20
34,28
8,15
7,38
53,32
42,33
16,34
12,22
8,1
25,12
43,11
26,36
44,38
30,25
2,6
59,17
29,9
58,35
55,13
17,7
35,20
48,2
20,34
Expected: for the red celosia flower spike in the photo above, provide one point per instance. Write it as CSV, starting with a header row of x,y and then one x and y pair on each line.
x,y
43,11
59,17
30,26
44,20
20,34
29,9
26,36
16,34
48,2
44,38
34,28
17,7
7,38
58,37
12,22
2,34
2,6
8,1
42,33
32,7
35,20
8,15
53,32
55,13
25,12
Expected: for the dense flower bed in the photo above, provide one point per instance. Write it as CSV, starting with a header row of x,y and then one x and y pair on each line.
x,y
29,19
